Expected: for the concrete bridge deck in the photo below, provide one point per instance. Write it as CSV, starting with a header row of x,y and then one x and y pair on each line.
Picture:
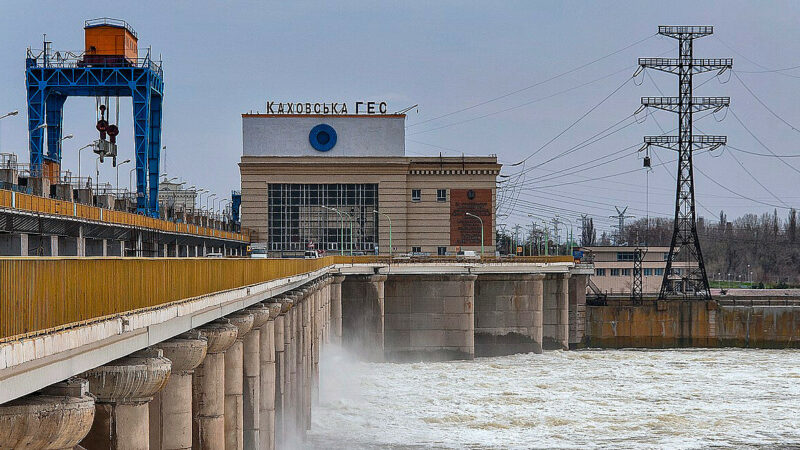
x,y
37,226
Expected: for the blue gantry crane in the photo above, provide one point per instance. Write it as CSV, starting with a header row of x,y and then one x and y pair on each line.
x,y
109,67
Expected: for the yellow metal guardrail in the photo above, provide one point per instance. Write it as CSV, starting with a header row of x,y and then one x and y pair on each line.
x,y
41,294
38,295
42,205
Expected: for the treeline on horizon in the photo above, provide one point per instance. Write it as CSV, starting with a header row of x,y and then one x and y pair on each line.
x,y
767,243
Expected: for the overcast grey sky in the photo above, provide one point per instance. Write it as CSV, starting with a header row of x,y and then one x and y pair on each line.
x,y
223,59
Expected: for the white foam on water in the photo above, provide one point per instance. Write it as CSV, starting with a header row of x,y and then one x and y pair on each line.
x,y
686,398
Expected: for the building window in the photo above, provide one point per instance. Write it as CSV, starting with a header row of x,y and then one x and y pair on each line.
x,y
416,249
659,271
441,195
648,272
600,272
304,216
416,195
666,256
614,272
676,271
624,256
442,251
626,272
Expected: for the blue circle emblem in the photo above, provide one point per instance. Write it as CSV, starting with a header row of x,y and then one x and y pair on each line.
x,y
322,137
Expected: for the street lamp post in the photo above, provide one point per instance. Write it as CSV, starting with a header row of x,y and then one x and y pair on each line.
x,y
341,227
546,233
390,228
481,221
130,179
123,162
79,159
570,233
8,114
209,198
97,175
350,219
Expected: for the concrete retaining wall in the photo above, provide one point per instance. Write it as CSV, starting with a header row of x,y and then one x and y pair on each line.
x,y
678,323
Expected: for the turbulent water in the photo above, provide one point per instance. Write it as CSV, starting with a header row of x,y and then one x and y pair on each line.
x,y
610,398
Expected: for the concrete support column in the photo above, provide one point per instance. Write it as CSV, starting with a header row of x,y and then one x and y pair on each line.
x,y
81,242
309,331
268,373
138,246
430,317
285,303
123,388
53,245
538,308
292,374
234,379
336,308
326,318
208,387
508,314
577,309
58,417
362,315
556,311
171,408
251,373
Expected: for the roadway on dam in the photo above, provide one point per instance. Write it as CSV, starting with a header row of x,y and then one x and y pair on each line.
x,y
687,398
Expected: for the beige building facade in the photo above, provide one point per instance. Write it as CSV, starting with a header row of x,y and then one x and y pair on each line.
x,y
295,199
613,268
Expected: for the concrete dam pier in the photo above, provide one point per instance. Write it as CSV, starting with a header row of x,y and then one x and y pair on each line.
x,y
414,313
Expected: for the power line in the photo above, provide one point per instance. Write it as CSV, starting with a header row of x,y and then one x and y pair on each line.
x,y
756,179
535,84
764,104
761,142
736,193
575,122
760,154
536,100
779,71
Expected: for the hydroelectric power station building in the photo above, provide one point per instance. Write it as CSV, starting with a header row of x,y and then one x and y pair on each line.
x,y
315,181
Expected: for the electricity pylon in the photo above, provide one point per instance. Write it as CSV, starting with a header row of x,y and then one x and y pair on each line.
x,y
685,244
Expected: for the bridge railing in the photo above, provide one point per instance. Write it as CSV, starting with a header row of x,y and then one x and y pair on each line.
x,y
43,205
39,295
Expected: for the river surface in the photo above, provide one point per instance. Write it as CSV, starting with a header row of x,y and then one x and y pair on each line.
x,y
694,398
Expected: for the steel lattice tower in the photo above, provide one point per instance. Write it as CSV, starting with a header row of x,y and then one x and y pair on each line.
x,y
636,286
692,281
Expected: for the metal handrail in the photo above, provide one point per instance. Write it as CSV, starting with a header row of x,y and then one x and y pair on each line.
x,y
109,21
70,60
